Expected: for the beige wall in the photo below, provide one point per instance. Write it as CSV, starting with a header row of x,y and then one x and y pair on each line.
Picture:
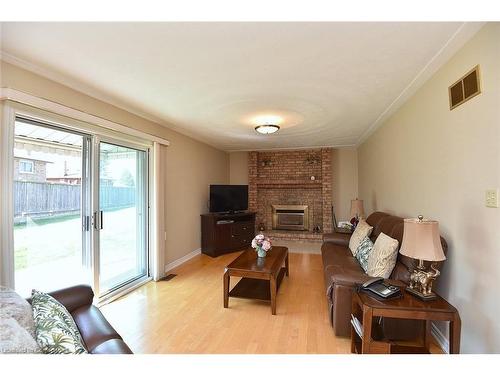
x,y
345,176
432,161
191,165
238,168
345,180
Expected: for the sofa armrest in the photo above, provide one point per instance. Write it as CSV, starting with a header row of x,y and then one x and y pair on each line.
x,y
74,297
341,239
347,277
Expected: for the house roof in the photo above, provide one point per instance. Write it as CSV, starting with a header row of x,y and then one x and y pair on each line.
x,y
41,133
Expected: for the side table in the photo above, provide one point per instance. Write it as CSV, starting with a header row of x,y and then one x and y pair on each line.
x,y
365,308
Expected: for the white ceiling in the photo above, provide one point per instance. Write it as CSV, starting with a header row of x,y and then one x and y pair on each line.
x,y
332,83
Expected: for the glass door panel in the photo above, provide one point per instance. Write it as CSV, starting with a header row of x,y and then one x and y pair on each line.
x,y
122,216
50,250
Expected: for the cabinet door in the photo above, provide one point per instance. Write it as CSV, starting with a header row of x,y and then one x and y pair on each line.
x,y
224,237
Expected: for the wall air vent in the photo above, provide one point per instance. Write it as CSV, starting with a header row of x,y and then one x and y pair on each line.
x,y
465,88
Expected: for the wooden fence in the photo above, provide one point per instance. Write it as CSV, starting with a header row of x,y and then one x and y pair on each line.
x,y
47,199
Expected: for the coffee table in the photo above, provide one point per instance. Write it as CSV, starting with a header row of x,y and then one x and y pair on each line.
x,y
261,277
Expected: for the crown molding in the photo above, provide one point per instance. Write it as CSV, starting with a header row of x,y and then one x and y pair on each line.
x,y
465,32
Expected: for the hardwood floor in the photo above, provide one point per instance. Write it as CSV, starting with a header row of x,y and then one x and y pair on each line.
x,y
186,314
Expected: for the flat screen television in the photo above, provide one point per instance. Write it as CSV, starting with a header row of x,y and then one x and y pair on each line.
x,y
228,198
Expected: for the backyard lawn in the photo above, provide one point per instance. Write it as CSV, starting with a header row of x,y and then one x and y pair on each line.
x,y
54,246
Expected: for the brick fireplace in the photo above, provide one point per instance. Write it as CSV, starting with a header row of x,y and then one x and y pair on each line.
x,y
291,192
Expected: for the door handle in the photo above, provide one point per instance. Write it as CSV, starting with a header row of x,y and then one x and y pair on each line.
x,y
98,222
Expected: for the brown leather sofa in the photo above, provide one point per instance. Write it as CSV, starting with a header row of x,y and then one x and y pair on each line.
x,y
98,335
343,274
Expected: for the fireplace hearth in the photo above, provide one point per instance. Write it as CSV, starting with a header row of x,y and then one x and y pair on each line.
x,y
290,217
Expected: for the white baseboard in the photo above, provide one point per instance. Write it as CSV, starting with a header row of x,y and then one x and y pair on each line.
x,y
441,339
179,261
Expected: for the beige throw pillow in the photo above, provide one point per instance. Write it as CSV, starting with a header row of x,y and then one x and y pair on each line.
x,y
382,258
362,230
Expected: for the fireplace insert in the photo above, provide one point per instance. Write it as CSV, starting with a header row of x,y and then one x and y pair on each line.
x,y
290,217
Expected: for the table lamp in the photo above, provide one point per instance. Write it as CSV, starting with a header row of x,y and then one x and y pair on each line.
x,y
421,241
357,211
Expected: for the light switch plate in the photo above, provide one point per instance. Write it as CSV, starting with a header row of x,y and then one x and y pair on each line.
x,y
492,198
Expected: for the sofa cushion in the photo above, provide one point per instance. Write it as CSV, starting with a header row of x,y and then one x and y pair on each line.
x,y
375,218
363,229
348,275
337,238
56,332
336,255
383,256
364,250
386,225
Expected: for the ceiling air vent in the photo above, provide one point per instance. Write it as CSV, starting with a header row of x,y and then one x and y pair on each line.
x,y
465,88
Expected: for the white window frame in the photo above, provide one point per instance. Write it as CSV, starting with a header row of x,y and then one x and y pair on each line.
x,y
6,196
17,104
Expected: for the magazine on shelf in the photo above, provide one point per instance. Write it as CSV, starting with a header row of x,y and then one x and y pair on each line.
x,y
358,327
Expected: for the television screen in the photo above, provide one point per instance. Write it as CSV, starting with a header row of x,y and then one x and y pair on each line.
x,y
225,198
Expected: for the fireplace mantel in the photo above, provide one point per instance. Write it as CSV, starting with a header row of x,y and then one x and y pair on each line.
x,y
290,184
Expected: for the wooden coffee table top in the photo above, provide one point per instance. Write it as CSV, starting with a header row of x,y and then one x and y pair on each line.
x,y
248,261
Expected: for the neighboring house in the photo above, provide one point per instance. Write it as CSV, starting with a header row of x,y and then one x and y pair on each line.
x,y
28,169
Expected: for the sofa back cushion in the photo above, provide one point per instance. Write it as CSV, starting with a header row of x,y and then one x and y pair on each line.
x,y
375,218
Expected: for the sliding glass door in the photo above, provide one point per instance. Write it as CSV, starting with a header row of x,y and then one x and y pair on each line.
x,y
122,215
80,210
50,185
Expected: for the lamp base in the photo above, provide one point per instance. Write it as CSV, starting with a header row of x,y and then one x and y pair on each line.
x,y
424,297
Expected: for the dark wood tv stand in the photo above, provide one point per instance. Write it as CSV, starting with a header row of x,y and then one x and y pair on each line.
x,y
223,233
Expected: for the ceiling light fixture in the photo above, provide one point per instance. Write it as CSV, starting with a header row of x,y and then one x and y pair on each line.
x,y
267,129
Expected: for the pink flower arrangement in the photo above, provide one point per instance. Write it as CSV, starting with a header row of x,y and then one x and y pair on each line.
x,y
262,242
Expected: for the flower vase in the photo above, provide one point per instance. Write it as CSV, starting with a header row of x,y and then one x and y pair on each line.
x,y
261,253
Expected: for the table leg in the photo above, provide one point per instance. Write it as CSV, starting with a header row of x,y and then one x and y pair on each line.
x,y
427,334
286,265
226,288
355,311
272,285
455,328
367,329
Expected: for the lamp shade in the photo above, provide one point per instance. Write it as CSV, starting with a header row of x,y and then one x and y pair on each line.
x,y
421,240
357,208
